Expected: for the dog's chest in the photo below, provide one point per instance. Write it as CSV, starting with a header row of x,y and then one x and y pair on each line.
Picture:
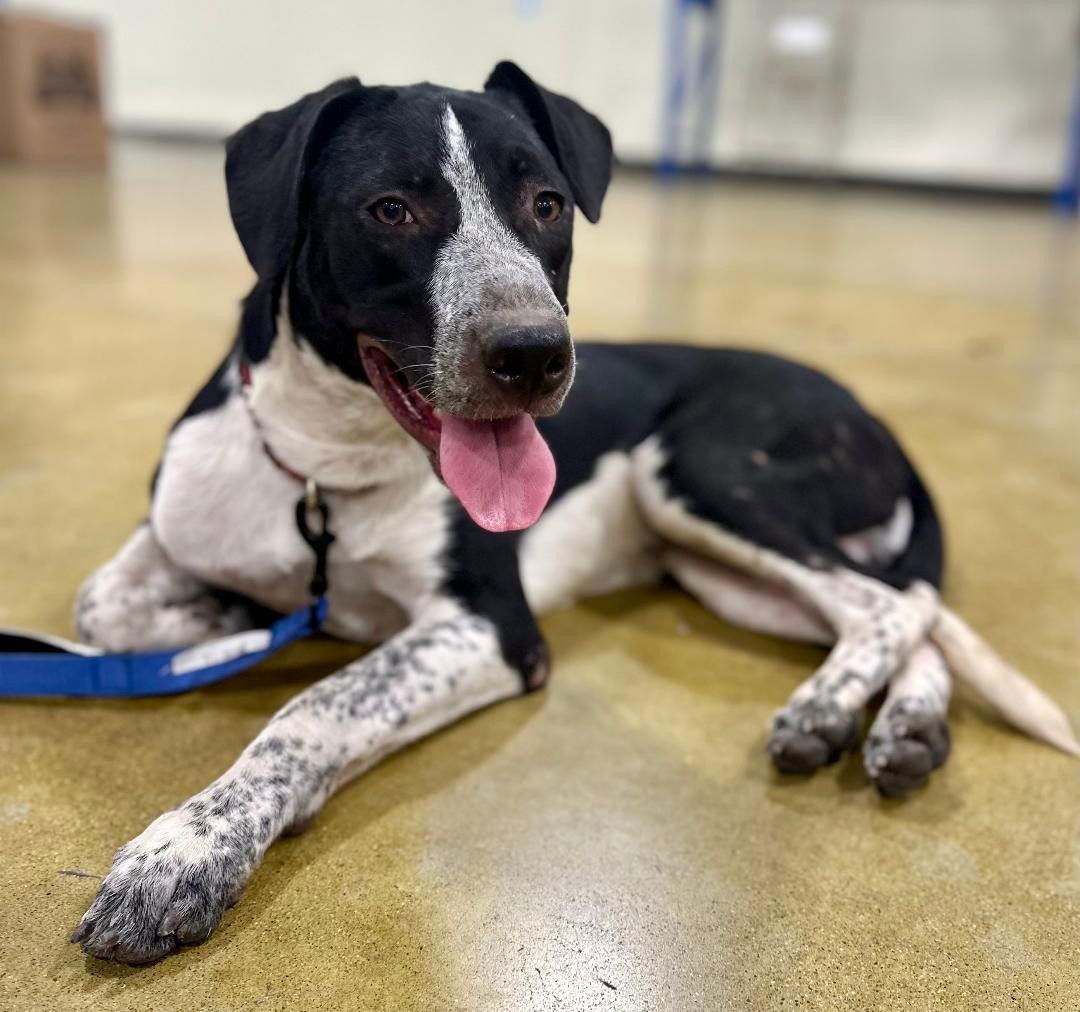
x,y
225,513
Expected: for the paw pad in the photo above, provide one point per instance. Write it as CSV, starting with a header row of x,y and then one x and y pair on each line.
x,y
810,735
902,755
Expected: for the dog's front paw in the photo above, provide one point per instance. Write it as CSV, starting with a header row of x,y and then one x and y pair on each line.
x,y
902,753
812,734
116,617
167,887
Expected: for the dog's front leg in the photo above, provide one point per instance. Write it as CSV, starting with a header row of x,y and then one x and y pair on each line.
x,y
141,600
170,885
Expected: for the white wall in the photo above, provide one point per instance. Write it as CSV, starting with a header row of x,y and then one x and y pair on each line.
x,y
974,91
213,64
956,90
998,89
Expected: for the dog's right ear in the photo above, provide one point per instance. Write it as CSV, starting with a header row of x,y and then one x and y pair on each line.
x,y
265,163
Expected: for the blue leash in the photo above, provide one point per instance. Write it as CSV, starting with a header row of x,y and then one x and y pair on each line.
x,y
32,665
49,667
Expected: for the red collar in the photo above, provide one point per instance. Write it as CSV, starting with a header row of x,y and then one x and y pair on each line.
x,y
245,386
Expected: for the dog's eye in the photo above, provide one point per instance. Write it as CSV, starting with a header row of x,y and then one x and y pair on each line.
x,y
547,206
391,212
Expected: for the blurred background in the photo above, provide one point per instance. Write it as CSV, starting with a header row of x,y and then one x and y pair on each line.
x,y
974,92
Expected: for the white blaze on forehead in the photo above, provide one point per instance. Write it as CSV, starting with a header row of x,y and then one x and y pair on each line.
x,y
483,268
482,235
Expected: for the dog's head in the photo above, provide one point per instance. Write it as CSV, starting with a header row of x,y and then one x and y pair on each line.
x,y
424,236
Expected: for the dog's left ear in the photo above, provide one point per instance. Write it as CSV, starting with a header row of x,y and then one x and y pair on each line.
x,y
265,163
580,143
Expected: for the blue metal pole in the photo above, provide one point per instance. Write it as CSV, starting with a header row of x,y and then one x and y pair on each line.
x,y
688,74
707,84
674,89
1067,197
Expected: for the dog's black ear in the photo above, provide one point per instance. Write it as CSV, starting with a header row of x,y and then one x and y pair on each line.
x,y
580,143
265,163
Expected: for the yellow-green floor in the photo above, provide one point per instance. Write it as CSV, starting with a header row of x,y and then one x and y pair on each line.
x,y
618,842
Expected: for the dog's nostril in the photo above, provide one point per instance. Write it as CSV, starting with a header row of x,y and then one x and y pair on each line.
x,y
507,365
556,365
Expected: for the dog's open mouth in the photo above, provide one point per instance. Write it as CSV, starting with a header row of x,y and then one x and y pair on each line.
x,y
501,470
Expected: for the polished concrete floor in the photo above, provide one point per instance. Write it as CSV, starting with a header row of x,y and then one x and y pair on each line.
x,y
618,841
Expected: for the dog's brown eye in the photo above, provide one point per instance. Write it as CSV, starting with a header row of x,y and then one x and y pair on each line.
x,y
391,212
548,206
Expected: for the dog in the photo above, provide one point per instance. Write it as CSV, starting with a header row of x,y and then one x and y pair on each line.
x,y
405,355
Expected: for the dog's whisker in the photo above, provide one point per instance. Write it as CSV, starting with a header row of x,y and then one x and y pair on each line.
x,y
406,344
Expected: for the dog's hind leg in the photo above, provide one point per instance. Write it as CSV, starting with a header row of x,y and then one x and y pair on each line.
x,y
825,508
877,628
873,626
140,600
909,738
749,601
915,646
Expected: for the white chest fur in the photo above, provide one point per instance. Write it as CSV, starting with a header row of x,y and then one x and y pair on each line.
x,y
225,513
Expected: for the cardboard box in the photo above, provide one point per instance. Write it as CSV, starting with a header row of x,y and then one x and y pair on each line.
x,y
50,91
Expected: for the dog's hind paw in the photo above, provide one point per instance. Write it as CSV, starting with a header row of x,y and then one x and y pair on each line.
x,y
808,735
168,887
901,754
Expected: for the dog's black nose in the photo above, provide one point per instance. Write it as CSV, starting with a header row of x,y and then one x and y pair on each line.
x,y
529,362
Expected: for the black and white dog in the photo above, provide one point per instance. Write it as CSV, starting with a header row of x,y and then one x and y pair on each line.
x,y
406,348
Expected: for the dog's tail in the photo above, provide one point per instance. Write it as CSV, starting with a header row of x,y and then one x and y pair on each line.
x,y
971,659
1017,699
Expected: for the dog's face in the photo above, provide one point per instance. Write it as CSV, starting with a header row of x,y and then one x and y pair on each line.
x,y
425,235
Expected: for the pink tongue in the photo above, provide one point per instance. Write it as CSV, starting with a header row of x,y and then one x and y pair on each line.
x,y
502,471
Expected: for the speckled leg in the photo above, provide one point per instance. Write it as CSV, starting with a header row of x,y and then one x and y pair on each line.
x,y
909,738
170,885
877,627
